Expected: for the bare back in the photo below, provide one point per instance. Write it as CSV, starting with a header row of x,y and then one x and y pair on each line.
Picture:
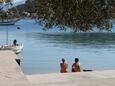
x,y
76,67
63,67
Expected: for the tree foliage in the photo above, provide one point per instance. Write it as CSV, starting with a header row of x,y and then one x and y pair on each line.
x,y
79,15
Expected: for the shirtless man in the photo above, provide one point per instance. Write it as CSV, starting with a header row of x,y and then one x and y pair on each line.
x,y
76,66
63,66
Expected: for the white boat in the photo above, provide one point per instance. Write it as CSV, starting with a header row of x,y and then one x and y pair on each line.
x,y
5,6
9,22
16,48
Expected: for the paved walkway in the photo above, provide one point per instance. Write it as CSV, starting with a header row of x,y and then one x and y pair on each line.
x,y
95,78
10,72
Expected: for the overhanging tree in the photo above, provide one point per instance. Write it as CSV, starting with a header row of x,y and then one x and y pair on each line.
x,y
79,15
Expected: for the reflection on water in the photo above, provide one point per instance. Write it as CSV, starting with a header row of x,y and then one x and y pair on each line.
x,y
43,50
74,40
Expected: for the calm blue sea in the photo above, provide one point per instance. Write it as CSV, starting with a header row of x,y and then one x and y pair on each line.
x,y
43,50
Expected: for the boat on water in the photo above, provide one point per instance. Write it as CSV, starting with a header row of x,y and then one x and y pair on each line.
x,y
8,22
16,48
7,16
8,19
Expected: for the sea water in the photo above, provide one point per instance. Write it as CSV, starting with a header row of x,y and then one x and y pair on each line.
x,y
43,50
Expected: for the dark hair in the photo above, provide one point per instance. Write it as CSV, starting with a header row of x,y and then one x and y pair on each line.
x,y
63,60
76,59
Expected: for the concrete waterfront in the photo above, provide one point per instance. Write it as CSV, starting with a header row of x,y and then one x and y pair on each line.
x,y
12,75
10,71
95,78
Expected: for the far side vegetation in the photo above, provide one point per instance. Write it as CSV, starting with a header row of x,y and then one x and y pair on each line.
x,y
79,15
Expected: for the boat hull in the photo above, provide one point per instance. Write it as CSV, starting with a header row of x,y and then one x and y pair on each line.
x,y
7,23
16,48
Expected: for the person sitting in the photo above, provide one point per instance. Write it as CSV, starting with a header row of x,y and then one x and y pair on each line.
x,y
15,42
76,66
63,66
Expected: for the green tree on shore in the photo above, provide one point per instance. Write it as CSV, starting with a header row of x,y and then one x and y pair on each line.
x,y
79,15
